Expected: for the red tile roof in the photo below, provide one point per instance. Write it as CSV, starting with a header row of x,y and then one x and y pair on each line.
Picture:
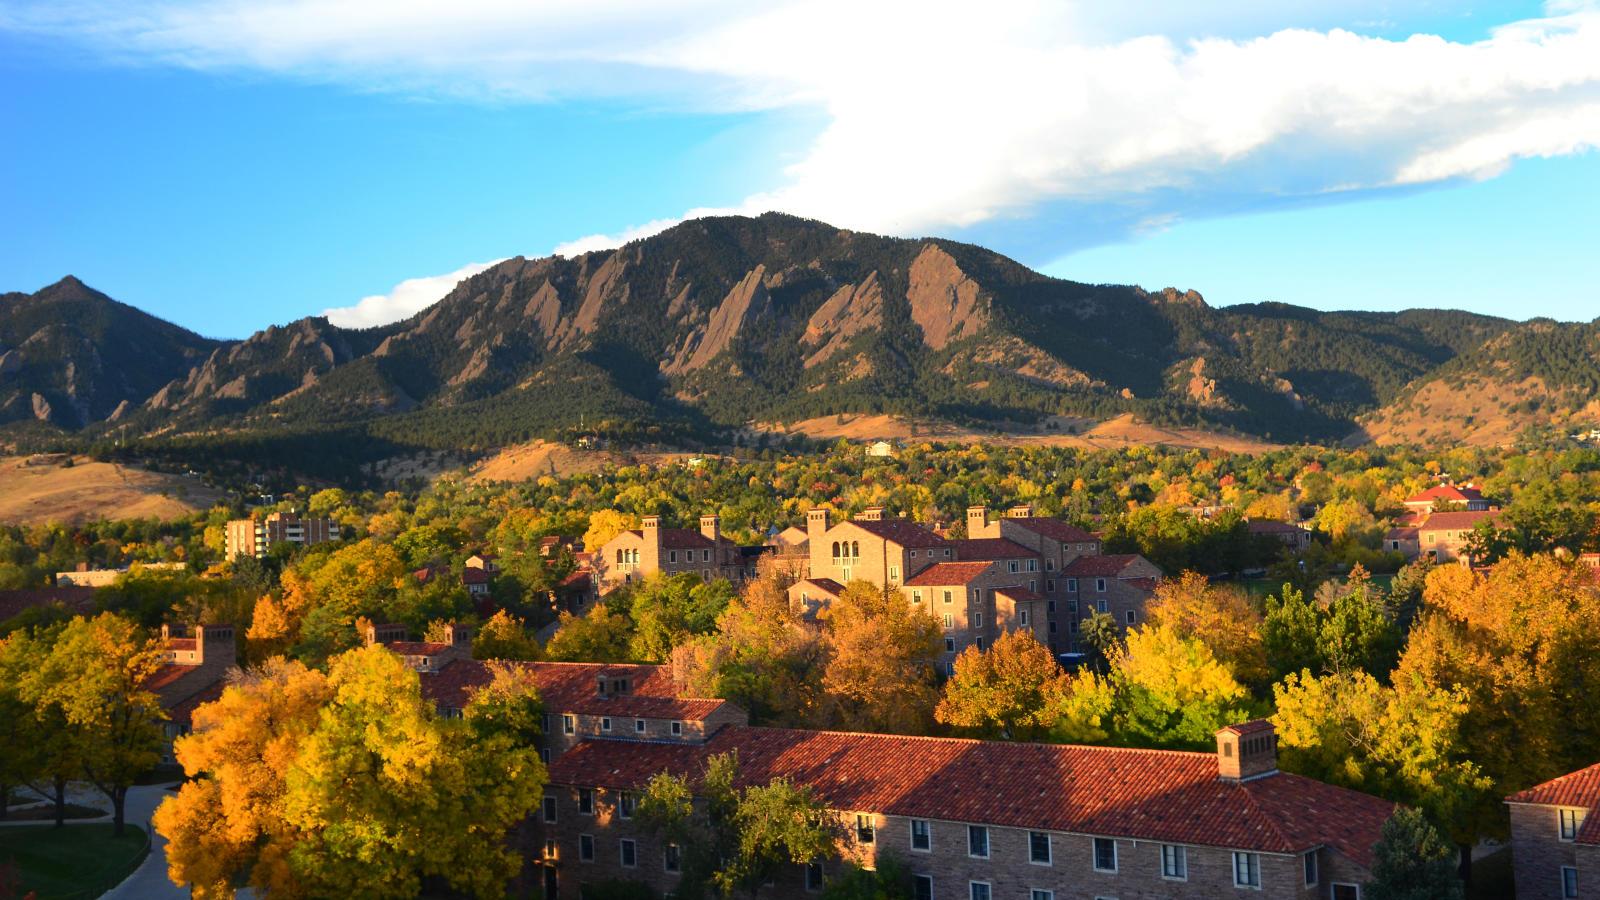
x,y
680,539
1154,795
1018,594
177,644
474,576
824,584
1099,566
1464,520
1576,789
571,688
1400,534
182,713
948,573
990,548
904,532
1448,493
1055,529
78,600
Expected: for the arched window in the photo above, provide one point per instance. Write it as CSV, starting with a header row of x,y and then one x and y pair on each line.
x,y
855,549
619,555
835,549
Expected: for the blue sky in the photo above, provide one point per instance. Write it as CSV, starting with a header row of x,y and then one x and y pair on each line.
x,y
229,166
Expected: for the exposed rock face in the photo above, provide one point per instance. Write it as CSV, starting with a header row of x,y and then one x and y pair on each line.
x,y
1199,388
944,301
851,310
747,301
41,408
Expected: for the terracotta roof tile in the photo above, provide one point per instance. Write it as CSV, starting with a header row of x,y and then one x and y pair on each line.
x,y
1153,795
571,688
824,584
417,648
1098,566
1464,520
1580,788
904,532
1055,529
990,548
177,644
182,713
1448,493
474,576
948,573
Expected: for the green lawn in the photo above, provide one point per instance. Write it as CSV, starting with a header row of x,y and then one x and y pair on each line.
x,y
57,862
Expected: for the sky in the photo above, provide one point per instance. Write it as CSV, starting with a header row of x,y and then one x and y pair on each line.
x,y
230,164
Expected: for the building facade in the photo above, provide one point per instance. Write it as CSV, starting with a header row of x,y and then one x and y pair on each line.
x,y
653,548
255,535
1555,837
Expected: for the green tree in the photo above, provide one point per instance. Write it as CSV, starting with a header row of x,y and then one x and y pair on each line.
x,y
1291,632
1412,861
600,636
1171,691
1099,635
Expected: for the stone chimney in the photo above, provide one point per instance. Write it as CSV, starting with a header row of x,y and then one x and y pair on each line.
x,y
459,635
870,514
816,526
711,527
977,521
1248,751
1020,511
215,645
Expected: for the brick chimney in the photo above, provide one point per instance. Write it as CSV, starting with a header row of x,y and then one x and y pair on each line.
x,y
215,645
816,526
711,527
1247,751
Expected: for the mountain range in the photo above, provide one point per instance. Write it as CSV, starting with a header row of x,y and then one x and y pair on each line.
x,y
719,324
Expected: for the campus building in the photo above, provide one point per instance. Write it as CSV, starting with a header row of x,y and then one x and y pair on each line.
x,y
1555,836
653,548
194,671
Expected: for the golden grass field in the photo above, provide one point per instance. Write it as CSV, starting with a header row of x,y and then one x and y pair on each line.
x,y
88,490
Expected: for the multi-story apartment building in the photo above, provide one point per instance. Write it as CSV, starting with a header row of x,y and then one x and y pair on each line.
x,y
652,548
1555,836
980,820
1118,585
253,536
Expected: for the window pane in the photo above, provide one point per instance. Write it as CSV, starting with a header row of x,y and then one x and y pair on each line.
x,y
923,886
977,840
980,891
1038,847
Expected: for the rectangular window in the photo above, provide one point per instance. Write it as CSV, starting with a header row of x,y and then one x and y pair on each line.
x,y
1033,565
916,597
1022,617
1072,585
586,801
671,858
1050,588
1105,855
586,847
814,877
1039,848
1132,617
866,831
1101,606
1037,894
1174,862
922,887
1569,881
629,853
950,645
977,620
568,726
677,729
1310,863
978,642
672,556
1012,567
638,726
921,835
549,807
705,556
894,573
1571,820
978,841
544,755
1100,585
1346,891
948,597
949,621
1246,870
605,723
625,805
979,890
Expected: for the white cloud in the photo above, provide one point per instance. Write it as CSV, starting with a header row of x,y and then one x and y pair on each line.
x,y
406,298
946,116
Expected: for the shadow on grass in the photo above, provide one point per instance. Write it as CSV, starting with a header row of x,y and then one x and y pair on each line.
x,y
74,861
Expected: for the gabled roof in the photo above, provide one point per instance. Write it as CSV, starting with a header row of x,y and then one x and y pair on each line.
x,y
1018,594
1271,526
904,532
827,585
417,648
1099,566
680,539
1580,789
948,573
1154,795
1054,529
990,548
1400,534
1448,493
474,576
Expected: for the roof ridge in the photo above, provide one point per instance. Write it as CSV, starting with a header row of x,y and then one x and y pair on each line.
x,y
933,738
1559,779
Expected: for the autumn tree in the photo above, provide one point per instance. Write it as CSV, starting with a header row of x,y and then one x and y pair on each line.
x,y
93,681
1099,636
1171,691
505,636
226,825
881,653
761,657
601,635
1014,690
1222,618
21,729
606,524
666,610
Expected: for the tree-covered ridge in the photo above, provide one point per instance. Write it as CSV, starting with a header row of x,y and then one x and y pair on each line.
x,y
720,322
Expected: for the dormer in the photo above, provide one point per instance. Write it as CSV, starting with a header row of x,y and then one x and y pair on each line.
x,y
1247,751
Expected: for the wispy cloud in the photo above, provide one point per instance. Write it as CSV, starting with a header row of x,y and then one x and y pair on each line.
x,y
406,298
949,116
